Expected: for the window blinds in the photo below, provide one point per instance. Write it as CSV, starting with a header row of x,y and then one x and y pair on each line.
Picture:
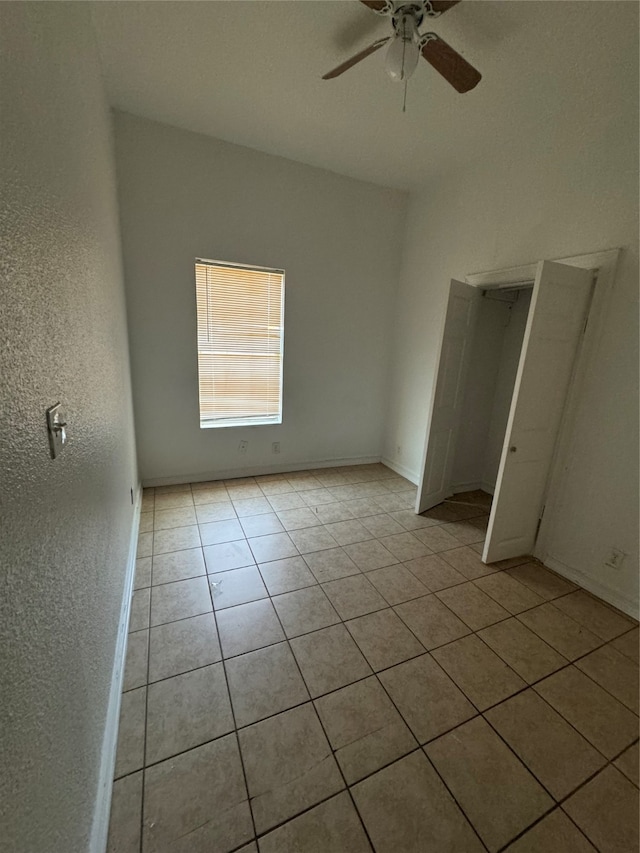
x,y
240,336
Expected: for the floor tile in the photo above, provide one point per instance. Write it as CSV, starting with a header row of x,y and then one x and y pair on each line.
x,y
187,710
237,586
263,683
431,621
405,546
382,525
197,802
465,531
594,615
289,766
210,495
312,539
410,521
396,502
629,644
261,525
228,555
467,562
370,555
558,756
248,627
135,668
543,582
145,545
275,546
362,507
510,593
329,659
384,639
276,487
179,600
555,833
125,821
180,646
246,507
627,763
605,723
397,584
426,697
497,793
283,502
178,566
304,484
434,573
331,513
470,603
216,532
177,539
364,729
348,532
331,827
298,519
142,576
560,631
523,650
616,673
173,500
405,807
243,491
286,575
606,810
165,519
140,605
220,511
331,564
304,610
478,672
130,750
354,596
317,497
437,538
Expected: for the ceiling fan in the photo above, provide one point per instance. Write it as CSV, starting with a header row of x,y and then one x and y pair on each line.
x,y
406,44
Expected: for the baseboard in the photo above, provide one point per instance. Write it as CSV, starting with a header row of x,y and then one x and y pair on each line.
x,y
407,473
100,827
259,470
605,593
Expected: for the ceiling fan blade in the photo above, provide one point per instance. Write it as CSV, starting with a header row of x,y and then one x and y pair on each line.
x,y
443,5
376,5
345,66
453,67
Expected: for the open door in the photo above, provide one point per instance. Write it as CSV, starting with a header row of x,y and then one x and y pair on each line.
x,y
446,403
559,304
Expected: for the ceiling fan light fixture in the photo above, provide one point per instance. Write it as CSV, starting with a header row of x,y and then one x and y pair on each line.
x,y
404,52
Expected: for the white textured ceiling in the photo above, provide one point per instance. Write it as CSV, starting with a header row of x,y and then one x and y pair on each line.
x,y
249,72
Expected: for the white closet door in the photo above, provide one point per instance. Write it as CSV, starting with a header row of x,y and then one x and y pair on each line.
x,y
446,403
559,303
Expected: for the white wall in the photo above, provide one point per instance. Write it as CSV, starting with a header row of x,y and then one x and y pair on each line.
x,y
183,196
573,191
66,523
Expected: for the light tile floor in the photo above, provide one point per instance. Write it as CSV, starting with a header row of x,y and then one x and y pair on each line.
x,y
312,667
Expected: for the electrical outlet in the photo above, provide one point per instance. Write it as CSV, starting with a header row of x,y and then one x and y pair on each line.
x,y
242,447
616,558
275,447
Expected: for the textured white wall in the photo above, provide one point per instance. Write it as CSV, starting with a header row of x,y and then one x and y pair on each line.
x,y
572,191
65,523
182,196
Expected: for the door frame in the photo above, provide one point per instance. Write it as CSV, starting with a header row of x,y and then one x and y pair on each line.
x,y
604,266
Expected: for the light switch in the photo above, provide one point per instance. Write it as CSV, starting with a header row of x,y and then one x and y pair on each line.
x,y
56,425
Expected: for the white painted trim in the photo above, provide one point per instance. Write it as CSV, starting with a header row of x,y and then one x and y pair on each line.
x,y
100,827
589,583
258,470
405,472
525,274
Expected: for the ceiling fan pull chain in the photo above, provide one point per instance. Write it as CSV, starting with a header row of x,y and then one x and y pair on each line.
x,y
404,102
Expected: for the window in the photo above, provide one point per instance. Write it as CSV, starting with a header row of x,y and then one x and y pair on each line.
x,y
240,341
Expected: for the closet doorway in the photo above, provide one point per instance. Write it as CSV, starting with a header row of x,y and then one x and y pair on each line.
x,y
504,370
